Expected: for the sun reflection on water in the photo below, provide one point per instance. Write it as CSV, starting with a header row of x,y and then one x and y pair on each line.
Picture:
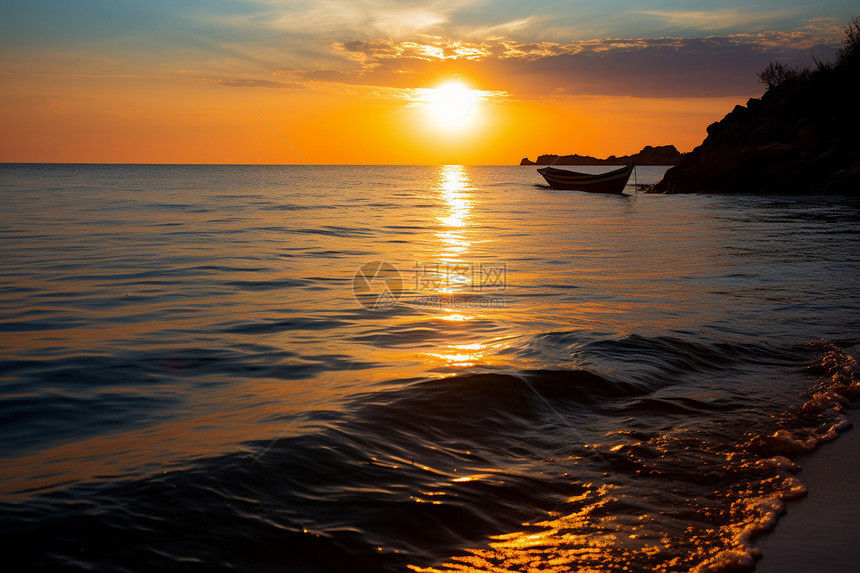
x,y
454,188
455,317
461,355
451,280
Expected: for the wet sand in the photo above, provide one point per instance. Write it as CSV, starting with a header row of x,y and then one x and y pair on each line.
x,y
819,532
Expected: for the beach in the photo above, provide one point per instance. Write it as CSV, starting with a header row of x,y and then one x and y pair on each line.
x,y
819,532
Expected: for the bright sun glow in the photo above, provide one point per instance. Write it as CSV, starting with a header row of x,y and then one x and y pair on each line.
x,y
451,107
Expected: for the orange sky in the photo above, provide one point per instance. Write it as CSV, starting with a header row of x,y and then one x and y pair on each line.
x,y
258,87
117,121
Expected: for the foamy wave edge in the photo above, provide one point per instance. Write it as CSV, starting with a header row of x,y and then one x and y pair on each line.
x,y
836,388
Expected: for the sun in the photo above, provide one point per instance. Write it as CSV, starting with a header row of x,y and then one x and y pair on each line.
x,y
452,107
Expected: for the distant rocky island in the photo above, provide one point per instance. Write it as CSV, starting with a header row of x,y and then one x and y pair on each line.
x,y
660,155
802,136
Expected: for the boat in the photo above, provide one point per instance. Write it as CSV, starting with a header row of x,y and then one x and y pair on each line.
x,y
610,182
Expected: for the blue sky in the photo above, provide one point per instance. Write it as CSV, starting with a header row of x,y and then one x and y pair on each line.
x,y
302,31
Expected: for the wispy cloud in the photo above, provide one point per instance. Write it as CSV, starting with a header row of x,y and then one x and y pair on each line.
x,y
501,45
371,54
505,29
368,17
719,19
251,83
435,48
646,67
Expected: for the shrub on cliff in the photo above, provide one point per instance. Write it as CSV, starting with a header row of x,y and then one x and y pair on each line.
x,y
777,73
847,57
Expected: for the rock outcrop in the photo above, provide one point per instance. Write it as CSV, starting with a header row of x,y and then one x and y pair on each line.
x,y
660,155
802,136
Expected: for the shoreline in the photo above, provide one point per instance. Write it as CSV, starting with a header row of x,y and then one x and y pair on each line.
x,y
819,532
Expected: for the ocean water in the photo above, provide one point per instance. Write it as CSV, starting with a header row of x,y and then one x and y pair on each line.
x,y
303,368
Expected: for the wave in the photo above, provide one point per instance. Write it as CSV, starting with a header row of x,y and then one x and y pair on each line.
x,y
724,492
801,429
663,468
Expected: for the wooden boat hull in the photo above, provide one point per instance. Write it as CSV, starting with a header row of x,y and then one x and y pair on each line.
x,y
611,182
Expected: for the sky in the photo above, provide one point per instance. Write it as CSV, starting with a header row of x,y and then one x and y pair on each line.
x,y
384,82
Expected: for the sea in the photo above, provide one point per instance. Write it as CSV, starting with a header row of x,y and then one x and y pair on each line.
x,y
420,368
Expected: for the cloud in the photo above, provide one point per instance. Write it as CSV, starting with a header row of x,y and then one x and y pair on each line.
x,y
645,67
250,83
819,32
367,17
720,19
371,54
504,29
499,45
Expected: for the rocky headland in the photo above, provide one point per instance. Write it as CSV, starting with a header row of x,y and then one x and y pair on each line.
x,y
660,155
801,136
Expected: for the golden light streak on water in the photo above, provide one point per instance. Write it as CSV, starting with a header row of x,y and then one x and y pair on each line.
x,y
454,189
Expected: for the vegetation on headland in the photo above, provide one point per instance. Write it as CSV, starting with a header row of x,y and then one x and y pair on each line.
x,y
802,136
660,155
